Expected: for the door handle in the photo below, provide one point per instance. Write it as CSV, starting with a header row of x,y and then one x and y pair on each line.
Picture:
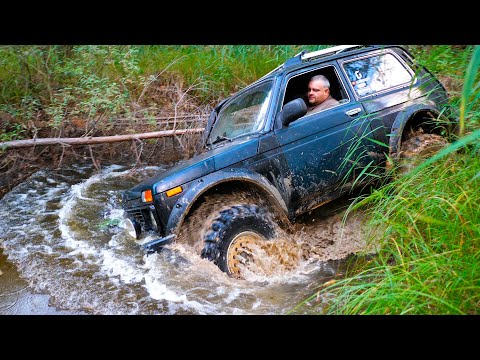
x,y
353,111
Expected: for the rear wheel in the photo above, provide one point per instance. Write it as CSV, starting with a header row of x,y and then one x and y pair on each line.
x,y
417,148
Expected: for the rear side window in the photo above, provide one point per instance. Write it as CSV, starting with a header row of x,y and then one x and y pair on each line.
x,y
376,73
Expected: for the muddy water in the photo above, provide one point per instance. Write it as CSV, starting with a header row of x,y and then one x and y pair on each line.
x,y
65,251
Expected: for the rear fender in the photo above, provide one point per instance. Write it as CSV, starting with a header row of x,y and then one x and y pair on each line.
x,y
401,121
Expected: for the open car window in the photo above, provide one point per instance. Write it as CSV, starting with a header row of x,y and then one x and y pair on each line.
x,y
297,86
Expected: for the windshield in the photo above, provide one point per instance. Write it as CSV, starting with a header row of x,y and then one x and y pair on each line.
x,y
243,114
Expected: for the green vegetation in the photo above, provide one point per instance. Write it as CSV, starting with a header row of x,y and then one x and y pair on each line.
x,y
426,222
46,86
426,226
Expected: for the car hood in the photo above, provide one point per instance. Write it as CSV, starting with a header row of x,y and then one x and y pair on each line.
x,y
226,154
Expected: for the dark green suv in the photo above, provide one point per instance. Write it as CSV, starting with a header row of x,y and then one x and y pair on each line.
x,y
262,161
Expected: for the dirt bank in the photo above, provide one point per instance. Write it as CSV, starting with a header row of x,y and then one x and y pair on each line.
x,y
17,165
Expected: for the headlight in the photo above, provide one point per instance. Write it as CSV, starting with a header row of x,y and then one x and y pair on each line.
x,y
133,228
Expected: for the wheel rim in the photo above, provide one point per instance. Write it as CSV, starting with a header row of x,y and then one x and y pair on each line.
x,y
240,251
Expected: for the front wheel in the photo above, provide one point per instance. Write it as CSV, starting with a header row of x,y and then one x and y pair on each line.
x,y
233,237
229,230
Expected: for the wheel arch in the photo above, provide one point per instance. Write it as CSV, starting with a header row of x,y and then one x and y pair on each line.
x,y
425,116
227,182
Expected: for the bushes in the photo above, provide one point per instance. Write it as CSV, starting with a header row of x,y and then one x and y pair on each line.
x,y
50,85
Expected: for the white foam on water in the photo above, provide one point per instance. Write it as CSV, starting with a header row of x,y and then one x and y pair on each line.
x,y
77,246
159,291
256,304
116,214
21,197
83,249
114,241
115,267
70,201
106,274
46,249
232,295
158,274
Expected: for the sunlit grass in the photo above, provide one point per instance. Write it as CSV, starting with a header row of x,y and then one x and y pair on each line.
x,y
108,81
222,69
426,225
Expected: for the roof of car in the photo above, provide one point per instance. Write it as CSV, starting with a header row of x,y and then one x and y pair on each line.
x,y
326,54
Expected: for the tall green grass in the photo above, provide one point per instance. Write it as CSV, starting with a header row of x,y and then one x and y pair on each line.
x,y
55,83
220,69
452,65
41,71
426,225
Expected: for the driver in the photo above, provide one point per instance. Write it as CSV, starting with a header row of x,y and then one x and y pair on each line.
x,y
319,96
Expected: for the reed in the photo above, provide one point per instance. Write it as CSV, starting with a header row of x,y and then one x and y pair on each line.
x,y
426,227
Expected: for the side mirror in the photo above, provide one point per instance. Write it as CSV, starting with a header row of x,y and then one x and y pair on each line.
x,y
292,111
211,119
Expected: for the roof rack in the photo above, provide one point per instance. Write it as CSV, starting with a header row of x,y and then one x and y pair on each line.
x,y
328,51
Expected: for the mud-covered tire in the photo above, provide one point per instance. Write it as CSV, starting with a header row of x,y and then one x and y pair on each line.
x,y
233,223
230,234
417,148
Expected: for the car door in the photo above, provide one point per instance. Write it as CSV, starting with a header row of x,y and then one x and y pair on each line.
x,y
324,151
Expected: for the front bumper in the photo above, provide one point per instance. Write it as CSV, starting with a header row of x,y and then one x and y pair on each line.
x,y
140,222
148,244
156,245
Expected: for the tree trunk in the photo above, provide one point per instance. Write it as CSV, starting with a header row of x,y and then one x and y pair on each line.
x,y
94,140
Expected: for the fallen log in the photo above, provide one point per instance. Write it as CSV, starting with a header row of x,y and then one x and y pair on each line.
x,y
94,140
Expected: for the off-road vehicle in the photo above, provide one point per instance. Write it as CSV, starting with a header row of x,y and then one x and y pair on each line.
x,y
262,161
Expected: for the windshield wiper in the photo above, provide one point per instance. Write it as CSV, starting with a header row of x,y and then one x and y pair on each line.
x,y
219,139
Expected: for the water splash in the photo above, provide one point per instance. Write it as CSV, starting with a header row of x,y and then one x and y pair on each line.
x,y
64,231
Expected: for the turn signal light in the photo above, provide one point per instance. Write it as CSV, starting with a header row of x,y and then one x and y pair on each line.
x,y
174,191
147,196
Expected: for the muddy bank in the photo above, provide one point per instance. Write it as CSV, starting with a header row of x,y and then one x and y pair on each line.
x,y
17,165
